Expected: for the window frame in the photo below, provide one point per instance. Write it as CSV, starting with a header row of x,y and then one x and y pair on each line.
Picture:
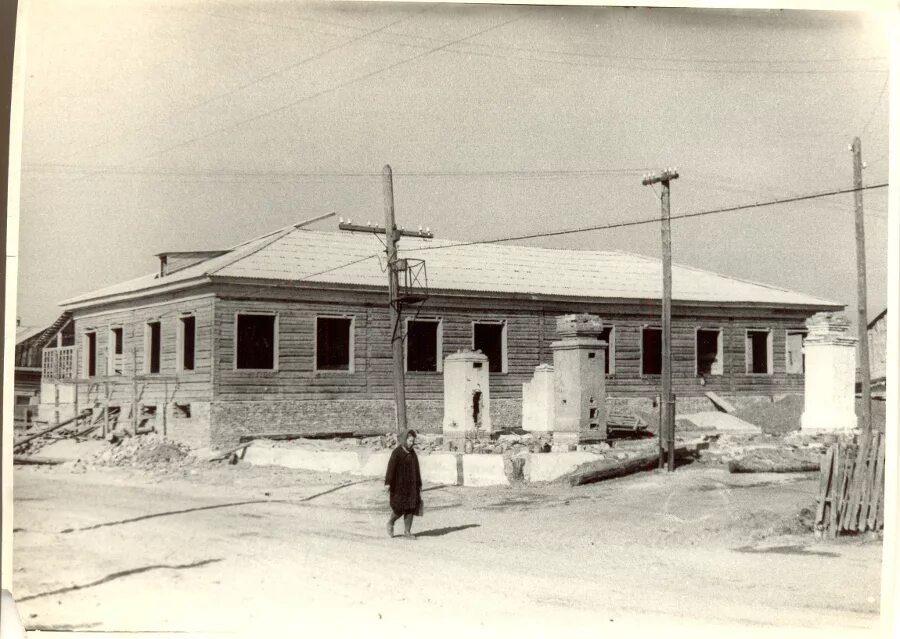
x,y
275,342
720,349
111,350
179,344
148,343
351,345
504,349
770,352
641,343
611,349
805,333
86,360
439,346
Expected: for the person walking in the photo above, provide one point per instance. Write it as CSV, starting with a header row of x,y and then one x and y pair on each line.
x,y
404,483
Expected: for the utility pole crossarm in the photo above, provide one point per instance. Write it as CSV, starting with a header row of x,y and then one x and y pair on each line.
x,y
663,176
372,228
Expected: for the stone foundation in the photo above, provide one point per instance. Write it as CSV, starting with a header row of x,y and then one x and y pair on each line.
x,y
221,424
231,420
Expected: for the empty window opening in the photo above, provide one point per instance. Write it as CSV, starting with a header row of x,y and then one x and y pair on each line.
x,y
153,346
795,360
91,353
188,341
333,340
116,347
709,352
490,338
651,351
183,411
592,355
476,408
476,364
148,411
255,349
592,413
422,345
759,352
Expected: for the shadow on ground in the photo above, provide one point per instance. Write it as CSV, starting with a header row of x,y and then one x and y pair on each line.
x,y
439,532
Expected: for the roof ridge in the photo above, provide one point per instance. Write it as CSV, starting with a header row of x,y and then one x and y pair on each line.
x,y
264,240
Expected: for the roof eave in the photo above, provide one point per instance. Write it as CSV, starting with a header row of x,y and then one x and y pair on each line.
x,y
824,305
74,303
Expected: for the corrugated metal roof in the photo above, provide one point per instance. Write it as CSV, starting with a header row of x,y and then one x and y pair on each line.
x,y
328,258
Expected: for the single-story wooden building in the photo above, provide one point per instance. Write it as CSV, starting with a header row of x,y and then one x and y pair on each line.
x,y
290,332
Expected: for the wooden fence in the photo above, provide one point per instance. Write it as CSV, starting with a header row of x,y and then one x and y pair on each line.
x,y
851,488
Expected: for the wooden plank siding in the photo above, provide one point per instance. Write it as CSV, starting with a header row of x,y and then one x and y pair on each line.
x,y
181,386
530,326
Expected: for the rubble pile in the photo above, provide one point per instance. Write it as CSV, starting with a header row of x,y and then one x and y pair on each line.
x,y
149,452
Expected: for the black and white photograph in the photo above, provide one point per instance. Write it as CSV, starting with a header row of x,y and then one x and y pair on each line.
x,y
433,317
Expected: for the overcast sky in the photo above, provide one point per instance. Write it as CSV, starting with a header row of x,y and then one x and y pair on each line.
x,y
154,126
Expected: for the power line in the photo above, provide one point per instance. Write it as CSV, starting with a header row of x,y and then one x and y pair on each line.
x,y
139,171
293,103
617,225
253,82
608,56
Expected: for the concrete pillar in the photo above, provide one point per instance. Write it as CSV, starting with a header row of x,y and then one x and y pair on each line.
x,y
579,380
830,375
537,401
467,397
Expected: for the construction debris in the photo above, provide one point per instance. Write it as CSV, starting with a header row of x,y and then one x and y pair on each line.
x,y
37,461
776,460
714,420
146,452
20,445
721,402
627,465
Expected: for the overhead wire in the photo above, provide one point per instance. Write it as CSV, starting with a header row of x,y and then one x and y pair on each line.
x,y
683,216
255,81
332,89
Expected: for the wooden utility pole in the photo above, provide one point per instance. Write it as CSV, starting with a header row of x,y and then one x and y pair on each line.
x,y
391,238
862,308
395,300
667,403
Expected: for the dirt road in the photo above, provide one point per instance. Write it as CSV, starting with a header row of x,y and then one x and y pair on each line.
x,y
234,546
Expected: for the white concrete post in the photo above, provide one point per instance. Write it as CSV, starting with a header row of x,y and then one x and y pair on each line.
x,y
830,375
467,396
537,401
579,379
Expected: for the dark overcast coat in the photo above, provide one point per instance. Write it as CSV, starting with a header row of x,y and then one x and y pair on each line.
x,y
405,480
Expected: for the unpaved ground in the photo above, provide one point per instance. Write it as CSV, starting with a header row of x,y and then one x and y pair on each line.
x,y
229,547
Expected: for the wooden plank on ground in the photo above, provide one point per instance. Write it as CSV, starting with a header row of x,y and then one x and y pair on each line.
x,y
43,461
721,402
610,469
62,424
